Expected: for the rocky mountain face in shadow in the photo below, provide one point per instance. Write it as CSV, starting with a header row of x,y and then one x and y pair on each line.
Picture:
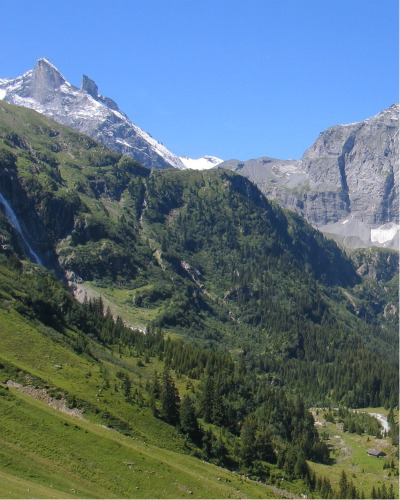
x,y
346,183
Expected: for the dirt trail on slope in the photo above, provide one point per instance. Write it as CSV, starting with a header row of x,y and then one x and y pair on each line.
x,y
42,395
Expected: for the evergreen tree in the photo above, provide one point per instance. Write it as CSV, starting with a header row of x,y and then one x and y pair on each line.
x,y
188,420
169,399
218,410
301,467
126,385
393,428
105,374
155,387
154,394
207,440
264,447
326,488
207,399
248,440
218,450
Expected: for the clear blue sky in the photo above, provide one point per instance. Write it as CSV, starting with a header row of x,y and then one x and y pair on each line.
x,y
231,78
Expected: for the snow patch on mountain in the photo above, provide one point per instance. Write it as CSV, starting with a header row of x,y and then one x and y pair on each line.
x,y
385,233
203,163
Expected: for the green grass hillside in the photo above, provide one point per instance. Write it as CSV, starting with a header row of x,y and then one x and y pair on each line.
x,y
47,452
73,427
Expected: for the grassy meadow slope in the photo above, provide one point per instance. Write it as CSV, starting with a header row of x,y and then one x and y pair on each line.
x,y
46,452
70,431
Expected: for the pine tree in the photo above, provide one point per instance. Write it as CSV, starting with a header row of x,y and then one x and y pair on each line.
x,y
326,488
301,467
248,440
188,420
127,385
155,387
207,440
265,449
105,374
218,410
154,394
169,398
207,399
218,449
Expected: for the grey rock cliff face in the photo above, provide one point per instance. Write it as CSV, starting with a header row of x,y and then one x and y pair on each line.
x,y
47,91
361,161
44,82
89,86
347,182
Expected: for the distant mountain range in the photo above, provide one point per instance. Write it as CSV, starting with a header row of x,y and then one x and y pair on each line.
x,y
346,184
203,163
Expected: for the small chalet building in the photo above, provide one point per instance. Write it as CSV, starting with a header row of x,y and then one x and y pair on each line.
x,y
375,453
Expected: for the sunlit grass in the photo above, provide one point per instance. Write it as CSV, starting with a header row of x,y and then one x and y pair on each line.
x,y
349,453
43,450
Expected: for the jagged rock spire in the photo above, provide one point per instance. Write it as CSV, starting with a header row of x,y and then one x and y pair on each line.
x,y
89,86
45,79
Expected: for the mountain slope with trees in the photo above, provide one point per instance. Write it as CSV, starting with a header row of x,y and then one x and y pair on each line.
x,y
85,399
204,254
250,316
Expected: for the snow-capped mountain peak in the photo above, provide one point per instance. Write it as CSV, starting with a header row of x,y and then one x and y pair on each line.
x,y
47,91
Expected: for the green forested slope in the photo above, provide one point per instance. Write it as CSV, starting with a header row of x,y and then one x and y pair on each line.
x,y
261,317
203,253
57,352
153,412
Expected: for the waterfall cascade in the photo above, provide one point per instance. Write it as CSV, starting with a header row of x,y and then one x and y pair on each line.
x,y
10,214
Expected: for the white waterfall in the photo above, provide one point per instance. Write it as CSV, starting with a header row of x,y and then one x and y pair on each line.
x,y
10,214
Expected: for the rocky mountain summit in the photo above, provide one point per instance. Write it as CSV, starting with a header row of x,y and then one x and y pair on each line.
x,y
47,91
346,183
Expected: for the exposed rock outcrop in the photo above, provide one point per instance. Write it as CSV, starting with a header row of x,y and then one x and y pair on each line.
x,y
347,182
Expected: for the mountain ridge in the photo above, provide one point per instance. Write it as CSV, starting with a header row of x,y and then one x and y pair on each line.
x,y
47,91
346,183
198,248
